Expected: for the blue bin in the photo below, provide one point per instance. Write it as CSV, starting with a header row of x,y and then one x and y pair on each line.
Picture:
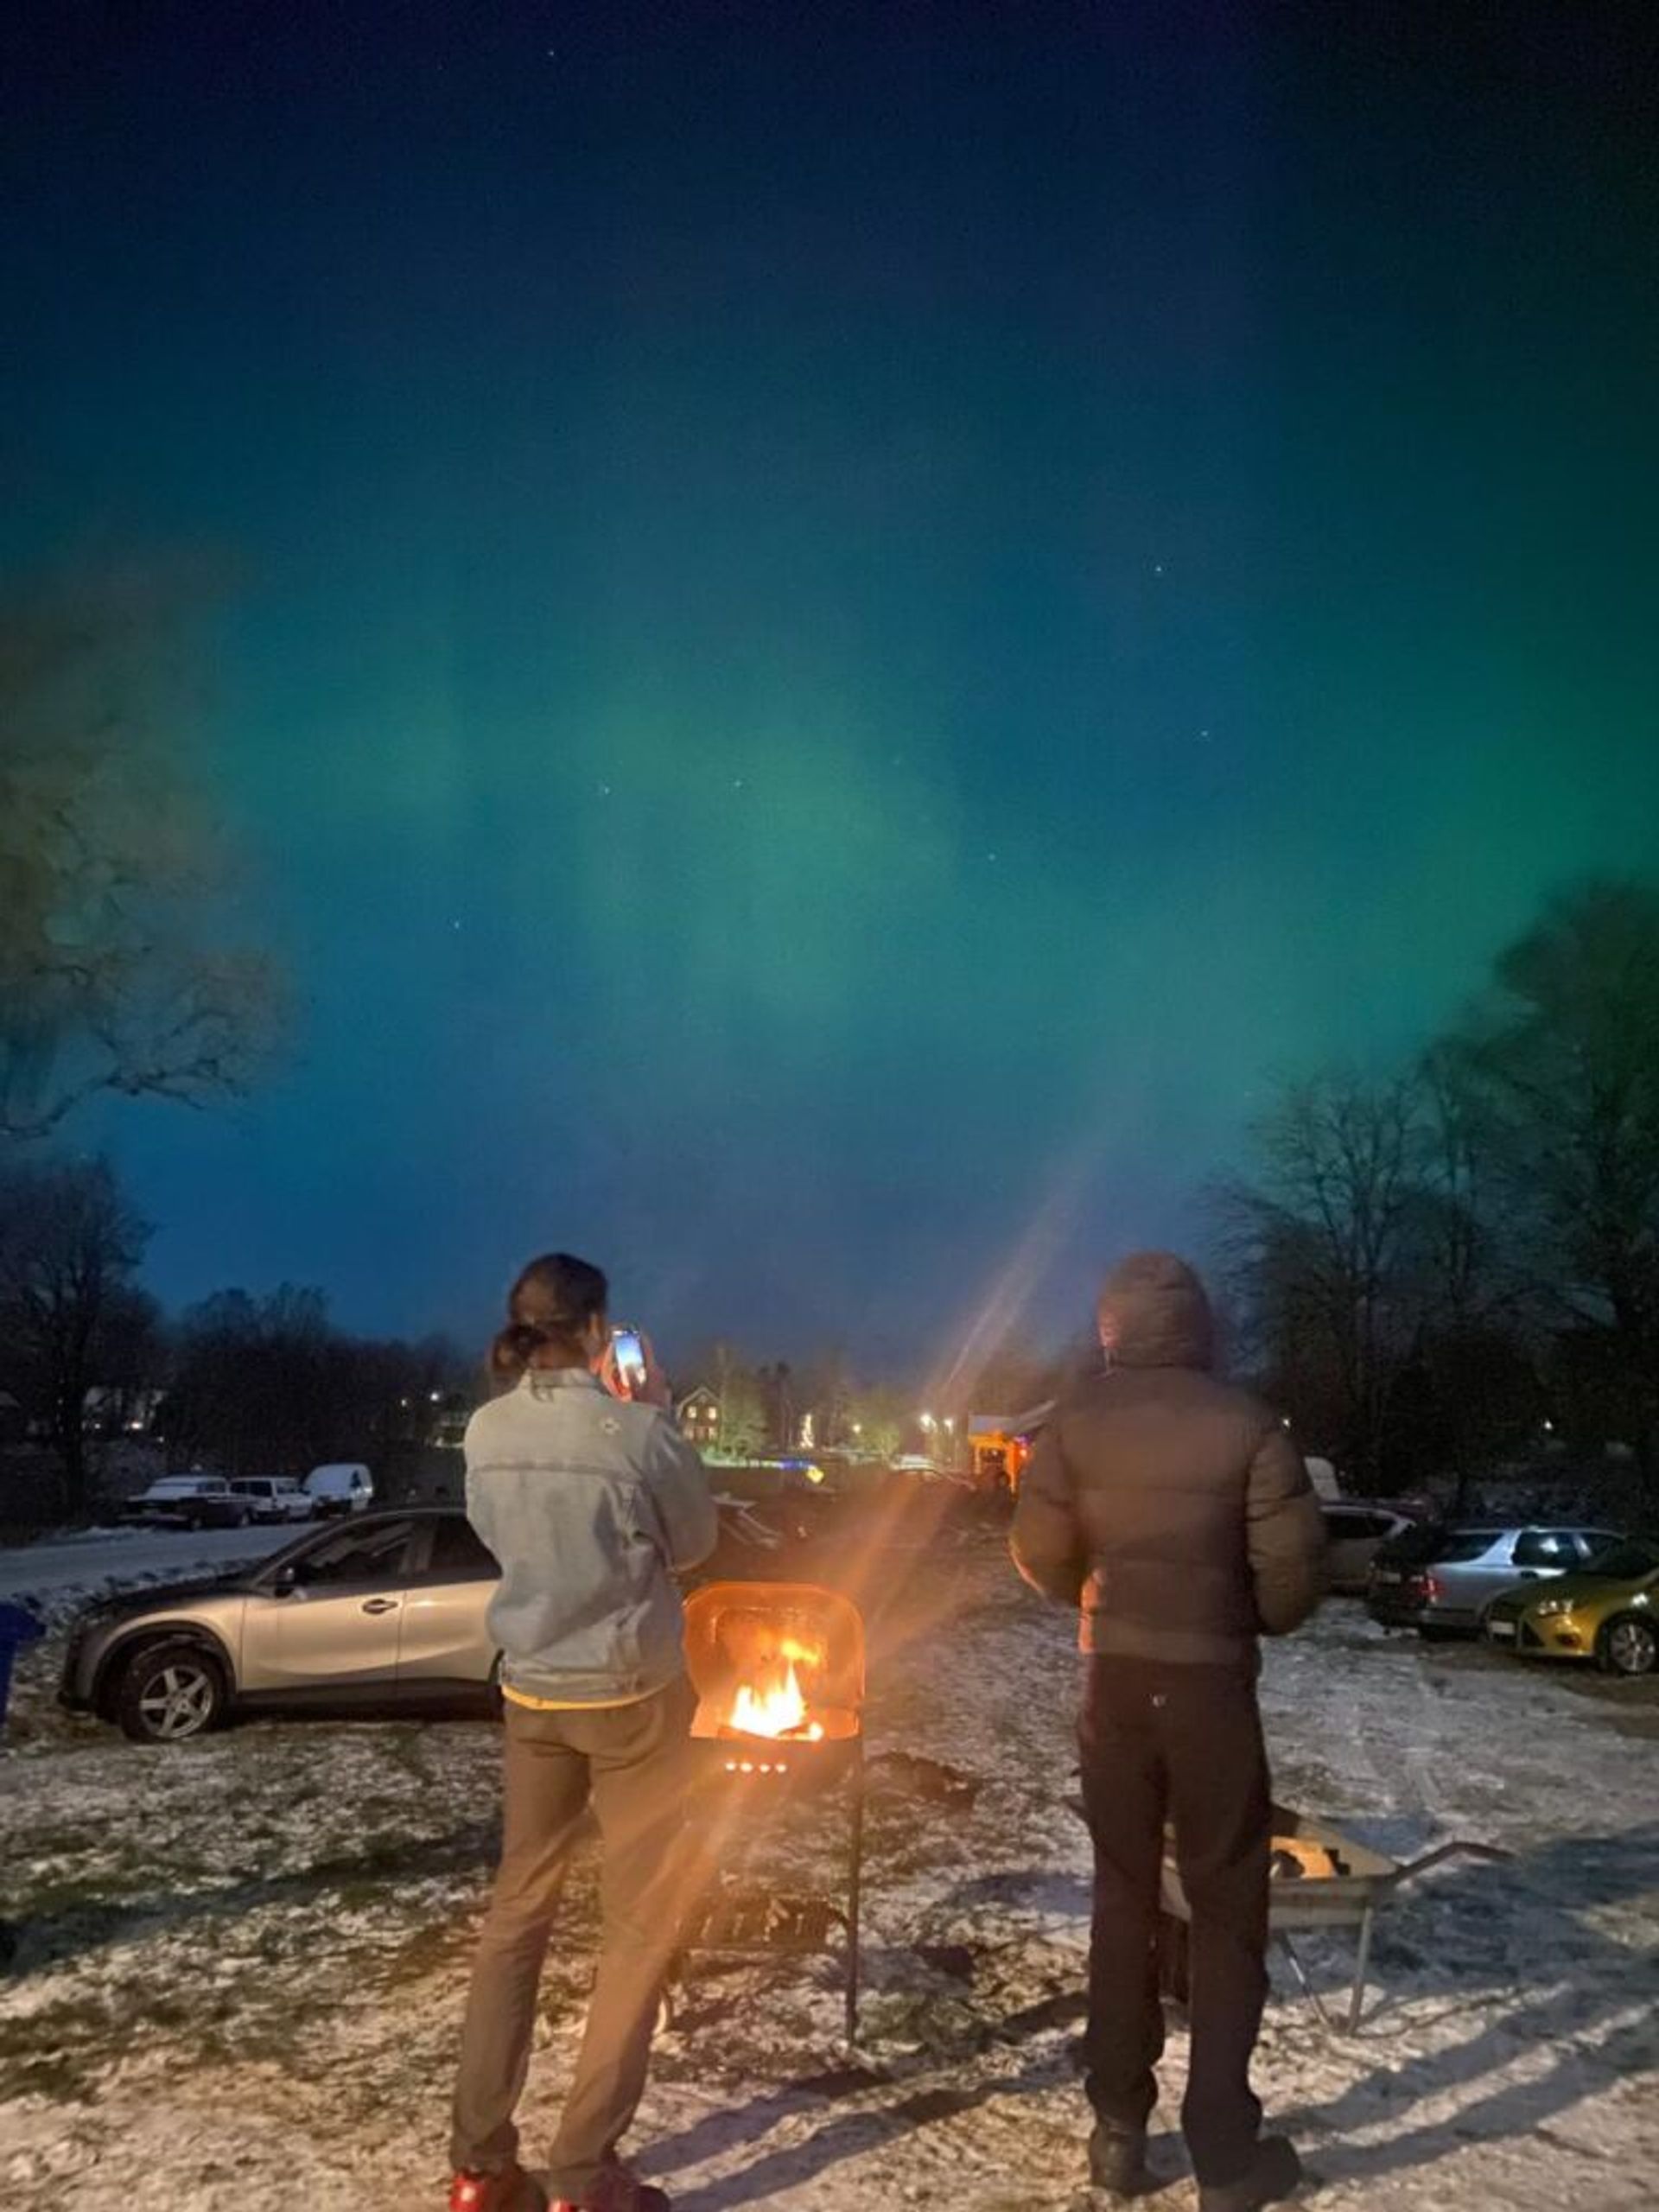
x,y
17,1628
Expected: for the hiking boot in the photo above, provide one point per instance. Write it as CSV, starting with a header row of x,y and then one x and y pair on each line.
x,y
1273,2176
617,2188
509,2188
1117,2161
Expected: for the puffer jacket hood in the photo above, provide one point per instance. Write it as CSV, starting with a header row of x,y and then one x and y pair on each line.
x,y
1154,1309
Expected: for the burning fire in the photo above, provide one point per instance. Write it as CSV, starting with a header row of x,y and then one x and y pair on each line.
x,y
776,1706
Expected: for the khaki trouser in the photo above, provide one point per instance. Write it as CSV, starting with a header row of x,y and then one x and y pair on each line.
x,y
632,1763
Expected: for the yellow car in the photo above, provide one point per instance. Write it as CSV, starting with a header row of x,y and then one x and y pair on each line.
x,y
1608,1612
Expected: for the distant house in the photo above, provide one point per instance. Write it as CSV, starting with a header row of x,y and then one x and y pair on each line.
x,y
699,1416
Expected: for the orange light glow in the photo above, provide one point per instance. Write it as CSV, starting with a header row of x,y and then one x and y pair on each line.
x,y
777,1706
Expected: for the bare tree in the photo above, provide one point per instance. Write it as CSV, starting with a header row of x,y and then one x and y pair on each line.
x,y
1324,1250
69,1244
118,968
1557,1070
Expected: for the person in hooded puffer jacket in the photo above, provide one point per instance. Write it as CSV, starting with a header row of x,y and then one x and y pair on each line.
x,y
1174,1510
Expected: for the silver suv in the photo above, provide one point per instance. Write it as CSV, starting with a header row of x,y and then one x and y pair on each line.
x,y
1440,1580
385,1612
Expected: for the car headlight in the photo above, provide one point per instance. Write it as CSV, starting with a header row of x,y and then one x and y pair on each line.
x,y
1550,1609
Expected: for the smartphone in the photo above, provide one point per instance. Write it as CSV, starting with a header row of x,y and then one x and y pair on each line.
x,y
630,1356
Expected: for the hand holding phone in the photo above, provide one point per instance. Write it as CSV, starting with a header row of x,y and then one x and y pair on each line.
x,y
630,1361
627,1367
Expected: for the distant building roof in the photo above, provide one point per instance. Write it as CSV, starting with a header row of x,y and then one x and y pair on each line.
x,y
1010,1424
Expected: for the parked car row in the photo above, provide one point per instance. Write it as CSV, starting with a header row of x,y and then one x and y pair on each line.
x,y
211,1501
1564,1592
389,1610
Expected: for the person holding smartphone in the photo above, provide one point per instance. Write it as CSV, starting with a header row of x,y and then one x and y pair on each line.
x,y
592,1501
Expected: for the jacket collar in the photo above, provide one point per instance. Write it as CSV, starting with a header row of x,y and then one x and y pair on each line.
x,y
537,1380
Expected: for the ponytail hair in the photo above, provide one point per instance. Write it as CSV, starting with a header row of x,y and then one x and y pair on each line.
x,y
551,1304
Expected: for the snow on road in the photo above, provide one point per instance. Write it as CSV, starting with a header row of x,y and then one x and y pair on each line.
x,y
239,1964
49,1572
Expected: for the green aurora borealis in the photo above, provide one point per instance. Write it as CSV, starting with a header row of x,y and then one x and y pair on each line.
x,y
844,623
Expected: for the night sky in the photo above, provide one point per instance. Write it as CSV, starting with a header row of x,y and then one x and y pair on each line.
x,y
854,627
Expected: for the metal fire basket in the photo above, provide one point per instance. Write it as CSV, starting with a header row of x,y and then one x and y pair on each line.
x,y
759,1654
1322,1879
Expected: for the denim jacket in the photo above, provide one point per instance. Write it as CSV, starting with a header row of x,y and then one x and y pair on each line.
x,y
590,1505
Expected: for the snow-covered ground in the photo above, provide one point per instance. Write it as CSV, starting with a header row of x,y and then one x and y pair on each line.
x,y
64,1569
239,1963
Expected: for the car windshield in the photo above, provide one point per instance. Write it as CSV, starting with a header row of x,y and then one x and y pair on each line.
x,y
1623,1562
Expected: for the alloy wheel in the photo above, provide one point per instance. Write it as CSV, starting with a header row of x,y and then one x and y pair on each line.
x,y
178,1700
1632,1647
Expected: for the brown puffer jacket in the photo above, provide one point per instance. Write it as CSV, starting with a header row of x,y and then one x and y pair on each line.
x,y
1174,1507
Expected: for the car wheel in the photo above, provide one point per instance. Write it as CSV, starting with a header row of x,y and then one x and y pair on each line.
x,y
1435,1635
169,1692
1629,1646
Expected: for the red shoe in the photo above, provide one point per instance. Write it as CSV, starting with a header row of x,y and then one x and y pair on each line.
x,y
617,2190
509,2190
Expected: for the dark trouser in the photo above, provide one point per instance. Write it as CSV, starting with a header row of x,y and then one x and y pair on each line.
x,y
632,1761
1181,1744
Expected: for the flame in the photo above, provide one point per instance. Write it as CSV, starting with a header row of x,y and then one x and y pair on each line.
x,y
778,1706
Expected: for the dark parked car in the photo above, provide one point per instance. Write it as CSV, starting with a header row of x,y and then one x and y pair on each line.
x,y
190,1502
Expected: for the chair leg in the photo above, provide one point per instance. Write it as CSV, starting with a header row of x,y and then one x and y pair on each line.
x,y
1361,1963
1305,1985
854,1896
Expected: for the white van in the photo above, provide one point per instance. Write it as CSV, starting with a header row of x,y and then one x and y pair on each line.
x,y
347,1488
